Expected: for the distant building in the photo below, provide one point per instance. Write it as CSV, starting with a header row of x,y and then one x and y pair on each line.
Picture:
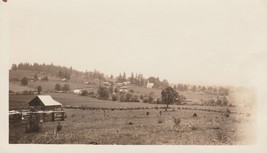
x,y
44,102
77,91
105,84
123,87
119,84
149,85
126,83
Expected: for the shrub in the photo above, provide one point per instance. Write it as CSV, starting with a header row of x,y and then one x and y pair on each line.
x,y
24,81
25,92
114,97
131,90
66,87
58,87
160,119
128,97
91,93
84,92
141,97
194,128
39,89
116,90
122,97
176,121
135,98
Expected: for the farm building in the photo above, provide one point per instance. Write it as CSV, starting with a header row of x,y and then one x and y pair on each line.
x,y
149,85
44,102
77,91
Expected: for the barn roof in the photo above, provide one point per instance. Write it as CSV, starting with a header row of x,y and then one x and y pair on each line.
x,y
48,100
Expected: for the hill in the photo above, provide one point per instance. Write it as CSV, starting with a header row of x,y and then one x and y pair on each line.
x,y
136,86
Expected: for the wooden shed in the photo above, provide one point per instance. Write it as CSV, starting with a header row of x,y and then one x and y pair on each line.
x,y
44,102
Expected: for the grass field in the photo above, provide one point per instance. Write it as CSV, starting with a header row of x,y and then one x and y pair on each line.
x,y
69,99
112,122
136,127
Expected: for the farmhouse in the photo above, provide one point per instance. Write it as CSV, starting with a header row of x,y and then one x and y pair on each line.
x,y
44,102
77,91
149,85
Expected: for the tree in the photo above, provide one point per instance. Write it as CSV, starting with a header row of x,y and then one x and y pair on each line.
x,y
66,87
24,81
14,67
169,96
103,92
35,78
194,88
58,87
39,89
44,78
111,89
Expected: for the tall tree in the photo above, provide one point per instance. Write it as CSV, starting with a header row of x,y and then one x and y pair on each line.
x,y
39,89
103,92
169,96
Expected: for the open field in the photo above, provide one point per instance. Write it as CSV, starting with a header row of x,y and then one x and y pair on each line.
x,y
136,127
93,121
108,126
73,100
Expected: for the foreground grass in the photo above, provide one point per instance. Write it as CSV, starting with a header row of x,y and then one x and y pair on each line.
x,y
136,127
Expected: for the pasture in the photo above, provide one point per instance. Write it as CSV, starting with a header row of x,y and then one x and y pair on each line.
x,y
138,126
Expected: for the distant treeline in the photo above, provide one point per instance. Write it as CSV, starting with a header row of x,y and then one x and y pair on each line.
x,y
134,79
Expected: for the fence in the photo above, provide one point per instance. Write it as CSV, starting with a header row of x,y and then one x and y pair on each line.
x,y
45,116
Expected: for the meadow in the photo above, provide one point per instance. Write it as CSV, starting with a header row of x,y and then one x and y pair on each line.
x,y
90,120
136,127
148,125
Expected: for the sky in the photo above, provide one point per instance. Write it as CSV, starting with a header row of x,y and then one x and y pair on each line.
x,y
205,42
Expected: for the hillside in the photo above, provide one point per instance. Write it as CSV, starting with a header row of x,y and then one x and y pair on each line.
x,y
194,94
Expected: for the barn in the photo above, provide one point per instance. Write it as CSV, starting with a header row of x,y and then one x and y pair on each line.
x,y
44,102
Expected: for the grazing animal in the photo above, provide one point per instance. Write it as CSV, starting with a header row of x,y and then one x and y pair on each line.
x,y
195,115
147,113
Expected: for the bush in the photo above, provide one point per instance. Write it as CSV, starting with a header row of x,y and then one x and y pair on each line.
x,y
84,92
219,102
128,97
39,89
122,98
58,87
131,90
116,90
114,97
141,97
24,81
135,98
25,92
176,121
66,87
91,93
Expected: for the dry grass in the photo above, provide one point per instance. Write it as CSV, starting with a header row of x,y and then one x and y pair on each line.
x,y
93,127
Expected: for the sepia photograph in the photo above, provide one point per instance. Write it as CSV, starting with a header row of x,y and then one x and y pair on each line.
x,y
174,73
